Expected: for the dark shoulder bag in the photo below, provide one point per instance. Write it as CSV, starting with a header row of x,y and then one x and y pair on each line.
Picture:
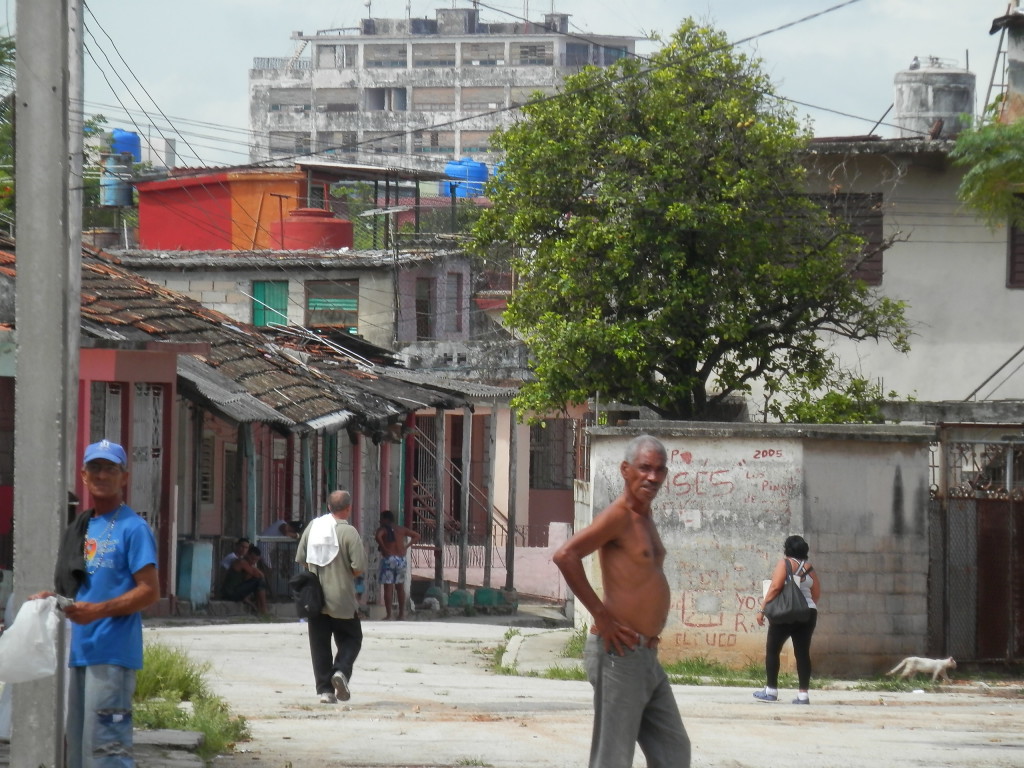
x,y
790,605
307,594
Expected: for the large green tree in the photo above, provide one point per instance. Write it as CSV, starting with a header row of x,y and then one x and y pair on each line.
x,y
667,253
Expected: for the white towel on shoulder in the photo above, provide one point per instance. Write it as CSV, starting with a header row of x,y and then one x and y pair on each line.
x,y
322,545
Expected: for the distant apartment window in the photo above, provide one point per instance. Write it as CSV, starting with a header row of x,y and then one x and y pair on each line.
x,y
383,143
611,55
442,142
433,99
532,54
483,54
337,141
290,142
336,56
453,301
269,302
476,142
577,54
424,308
863,213
385,56
386,100
337,100
333,303
433,55
482,99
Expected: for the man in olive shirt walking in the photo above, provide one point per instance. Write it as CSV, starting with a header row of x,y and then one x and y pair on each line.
x,y
331,548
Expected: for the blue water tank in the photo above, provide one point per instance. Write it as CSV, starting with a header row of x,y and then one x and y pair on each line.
x,y
115,190
468,175
195,572
126,143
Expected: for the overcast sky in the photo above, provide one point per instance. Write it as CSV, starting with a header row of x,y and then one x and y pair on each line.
x,y
189,59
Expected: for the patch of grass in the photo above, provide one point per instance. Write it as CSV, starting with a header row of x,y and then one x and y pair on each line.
x,y
558,672
574,647
171,692
168,671
699,670
411,670
478,761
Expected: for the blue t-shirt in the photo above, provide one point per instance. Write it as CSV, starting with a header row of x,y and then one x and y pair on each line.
x,y
117,545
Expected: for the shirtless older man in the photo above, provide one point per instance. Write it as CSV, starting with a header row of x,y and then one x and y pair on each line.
x,y
633,701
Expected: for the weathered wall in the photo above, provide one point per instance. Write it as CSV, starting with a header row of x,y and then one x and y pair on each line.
x,y
865,515
734,492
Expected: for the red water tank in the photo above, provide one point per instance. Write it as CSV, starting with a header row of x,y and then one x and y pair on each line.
x,y
307,229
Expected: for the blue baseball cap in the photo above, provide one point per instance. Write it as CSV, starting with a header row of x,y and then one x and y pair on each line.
x,y
107,450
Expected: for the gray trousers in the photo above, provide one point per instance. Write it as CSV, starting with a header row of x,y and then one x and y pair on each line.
x,y
633,704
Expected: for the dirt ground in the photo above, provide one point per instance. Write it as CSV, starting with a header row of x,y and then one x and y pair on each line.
x,y
423,694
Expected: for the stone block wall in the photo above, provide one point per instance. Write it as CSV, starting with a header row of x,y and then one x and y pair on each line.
x,y
734,492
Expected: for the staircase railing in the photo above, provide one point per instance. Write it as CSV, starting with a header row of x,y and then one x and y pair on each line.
x,y
424,506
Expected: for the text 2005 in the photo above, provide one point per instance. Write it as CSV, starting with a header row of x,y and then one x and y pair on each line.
x,y
768,453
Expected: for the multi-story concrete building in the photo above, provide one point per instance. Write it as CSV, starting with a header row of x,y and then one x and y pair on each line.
x,y
413,92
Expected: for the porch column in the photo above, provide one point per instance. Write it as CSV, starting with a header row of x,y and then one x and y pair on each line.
x,y
439,478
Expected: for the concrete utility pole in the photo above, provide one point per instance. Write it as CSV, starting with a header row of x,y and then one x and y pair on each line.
x,y
47,305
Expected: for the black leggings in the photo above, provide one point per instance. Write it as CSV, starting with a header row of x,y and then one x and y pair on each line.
x,y
777,636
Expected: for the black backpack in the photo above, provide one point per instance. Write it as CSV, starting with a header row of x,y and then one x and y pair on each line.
x,y
307,594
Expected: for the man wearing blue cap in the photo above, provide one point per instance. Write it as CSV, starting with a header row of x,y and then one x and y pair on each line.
x,y
107,562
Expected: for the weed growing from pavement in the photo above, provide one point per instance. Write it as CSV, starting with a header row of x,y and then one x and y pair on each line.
x,y
574,647
475,761
499,653
411,670
559,672
171,692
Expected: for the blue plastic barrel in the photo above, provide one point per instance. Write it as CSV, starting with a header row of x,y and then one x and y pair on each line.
x,y
126,142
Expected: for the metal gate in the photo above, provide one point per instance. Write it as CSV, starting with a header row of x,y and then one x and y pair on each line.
x,y
977,526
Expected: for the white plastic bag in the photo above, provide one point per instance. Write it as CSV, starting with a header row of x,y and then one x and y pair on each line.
x,y
28,648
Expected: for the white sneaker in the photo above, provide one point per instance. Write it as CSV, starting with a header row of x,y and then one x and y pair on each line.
x,y
328,698
340,683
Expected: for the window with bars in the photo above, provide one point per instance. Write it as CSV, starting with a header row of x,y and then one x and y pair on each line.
x,y
206,469
424,308
433,55
269,302
552,457
532,54
1015,257
333,303
863,213
483,54
290,142
385,56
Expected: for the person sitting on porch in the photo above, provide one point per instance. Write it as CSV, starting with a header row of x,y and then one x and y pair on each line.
x,y
244,582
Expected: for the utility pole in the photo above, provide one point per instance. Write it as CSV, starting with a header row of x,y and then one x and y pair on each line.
x,y
47,307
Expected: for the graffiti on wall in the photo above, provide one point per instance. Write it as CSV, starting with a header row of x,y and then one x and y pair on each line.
x,y
722,514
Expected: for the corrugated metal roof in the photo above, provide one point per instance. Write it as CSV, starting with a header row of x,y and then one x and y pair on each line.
x,y
445,383
226,396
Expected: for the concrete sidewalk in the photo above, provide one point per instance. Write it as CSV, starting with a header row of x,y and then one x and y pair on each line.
x,y
424,693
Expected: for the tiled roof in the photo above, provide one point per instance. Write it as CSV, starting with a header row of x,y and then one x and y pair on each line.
x,y
249,260
119,306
